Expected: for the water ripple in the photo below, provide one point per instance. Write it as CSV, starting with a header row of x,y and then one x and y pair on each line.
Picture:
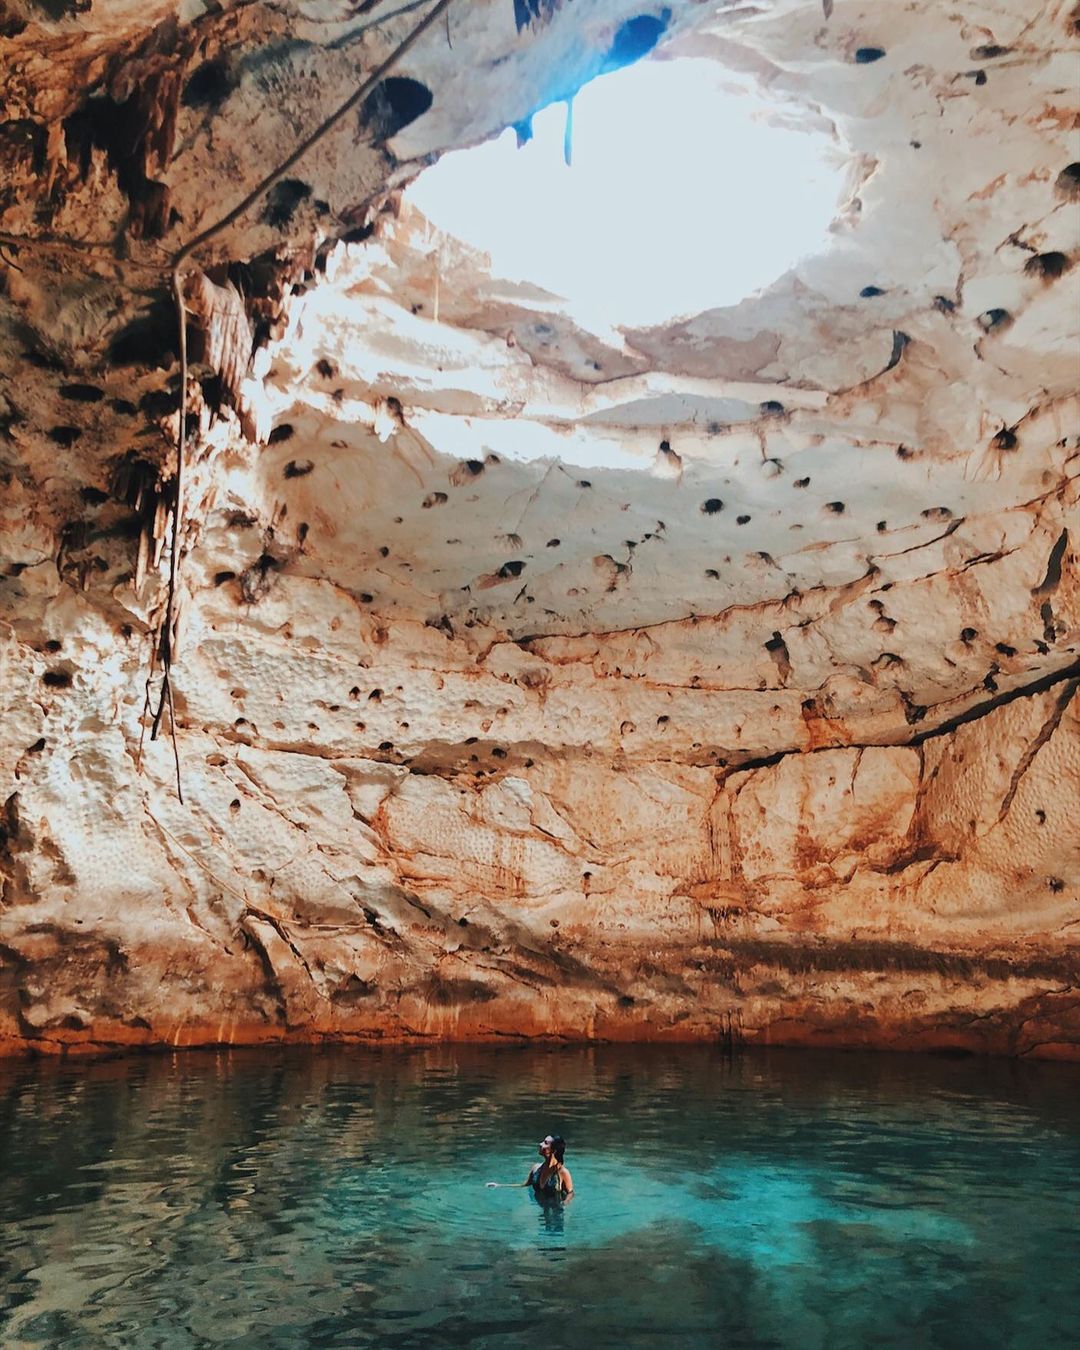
x,y
338,1199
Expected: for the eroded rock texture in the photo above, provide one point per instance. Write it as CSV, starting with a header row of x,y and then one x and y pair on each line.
x,y
718,679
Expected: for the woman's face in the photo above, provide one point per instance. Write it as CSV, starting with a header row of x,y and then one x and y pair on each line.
x,y
545,1148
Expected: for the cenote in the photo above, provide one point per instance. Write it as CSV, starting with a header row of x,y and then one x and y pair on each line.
x,y
337,1198
539,590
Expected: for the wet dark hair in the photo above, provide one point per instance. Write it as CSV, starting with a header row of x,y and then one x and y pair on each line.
x,y
558,1147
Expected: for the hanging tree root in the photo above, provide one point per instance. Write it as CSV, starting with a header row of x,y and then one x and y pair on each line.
x,y
166,643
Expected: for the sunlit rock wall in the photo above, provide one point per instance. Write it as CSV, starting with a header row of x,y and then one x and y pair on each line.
x,y
715,680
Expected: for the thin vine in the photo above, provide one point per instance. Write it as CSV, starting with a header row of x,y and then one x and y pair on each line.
x,y
166,644
164,647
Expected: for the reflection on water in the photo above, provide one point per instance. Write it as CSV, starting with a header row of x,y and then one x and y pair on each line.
x,y
336,1198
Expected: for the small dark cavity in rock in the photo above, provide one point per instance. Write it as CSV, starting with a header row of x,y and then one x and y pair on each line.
x,y
298,468
993,318
870,292
43,360
1048,266
712,505
283,200
865,56
282,432
82,393
149,339
394,103
158,403
209,86
1068,181
635,39
64,435
360,234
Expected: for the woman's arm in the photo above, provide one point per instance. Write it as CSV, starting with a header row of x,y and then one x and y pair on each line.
x,y
567,1181
495,1185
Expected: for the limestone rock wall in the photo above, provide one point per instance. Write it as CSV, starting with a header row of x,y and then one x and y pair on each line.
x,y
526,879
718,679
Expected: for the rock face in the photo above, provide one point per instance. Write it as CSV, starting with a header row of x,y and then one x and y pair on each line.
x,y
716,679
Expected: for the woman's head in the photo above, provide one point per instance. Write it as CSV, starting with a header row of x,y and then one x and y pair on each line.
x,y
553,1146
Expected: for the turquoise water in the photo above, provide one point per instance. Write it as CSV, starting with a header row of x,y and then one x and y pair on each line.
x,y
337,1198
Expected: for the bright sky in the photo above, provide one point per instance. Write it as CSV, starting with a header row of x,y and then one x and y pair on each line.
x,y
679,198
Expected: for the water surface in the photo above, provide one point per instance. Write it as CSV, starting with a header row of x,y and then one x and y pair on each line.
x,y
336,1198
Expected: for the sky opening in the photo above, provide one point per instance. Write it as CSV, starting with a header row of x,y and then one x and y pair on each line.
x,y
680,196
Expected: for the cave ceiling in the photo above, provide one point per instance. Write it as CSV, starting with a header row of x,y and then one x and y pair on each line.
x,y
863,456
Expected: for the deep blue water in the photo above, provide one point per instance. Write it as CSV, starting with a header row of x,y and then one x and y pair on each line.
x,y
336,1198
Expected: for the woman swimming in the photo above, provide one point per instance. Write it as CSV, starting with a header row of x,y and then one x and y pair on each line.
x,y
550,1178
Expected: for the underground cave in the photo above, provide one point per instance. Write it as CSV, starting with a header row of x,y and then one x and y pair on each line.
x,y
538,566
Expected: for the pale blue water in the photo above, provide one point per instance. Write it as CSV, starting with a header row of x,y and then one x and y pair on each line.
x,y
336,1198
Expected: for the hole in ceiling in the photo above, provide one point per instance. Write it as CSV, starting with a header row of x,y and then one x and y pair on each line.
x,y
686,190
393,104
